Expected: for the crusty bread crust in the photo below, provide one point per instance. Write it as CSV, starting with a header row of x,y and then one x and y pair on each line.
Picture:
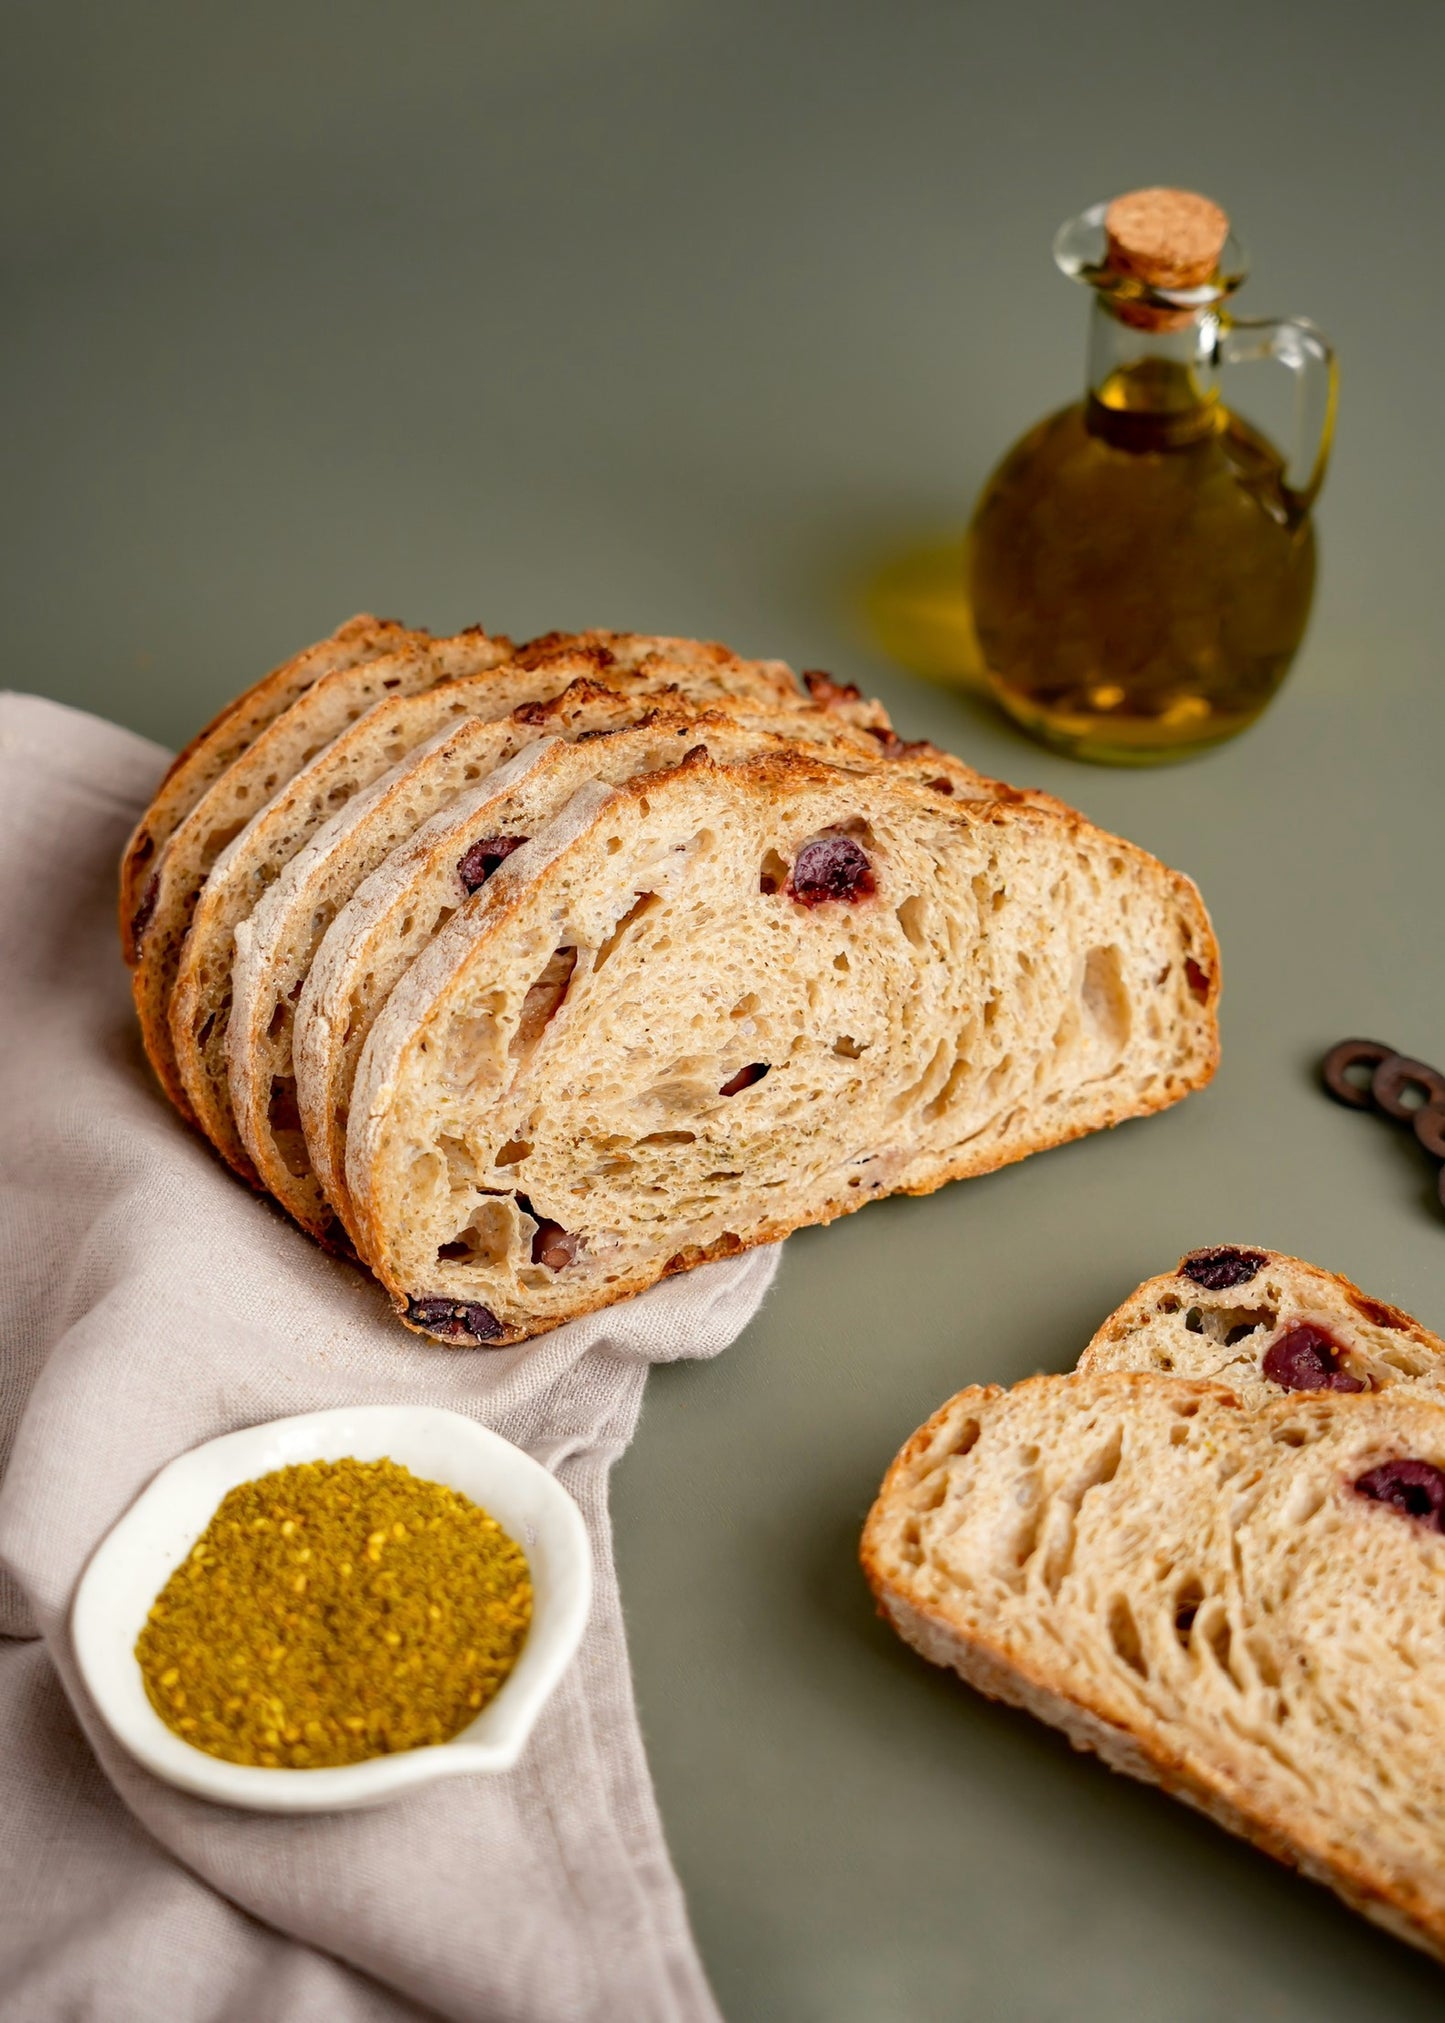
x,y
229,733
984,1555
1173,1325
323,712
1136,1019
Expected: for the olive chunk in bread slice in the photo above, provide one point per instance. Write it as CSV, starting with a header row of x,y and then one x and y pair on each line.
x,y
933,988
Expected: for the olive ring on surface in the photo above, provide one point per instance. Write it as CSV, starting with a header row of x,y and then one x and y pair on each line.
x,y
1395,1076
1354,1054
1430,1127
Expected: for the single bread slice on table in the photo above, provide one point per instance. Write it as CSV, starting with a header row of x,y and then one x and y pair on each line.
x,y
710,1006
229,733
275,947
317,716
1243,1606
629,666
395,912
1263,1324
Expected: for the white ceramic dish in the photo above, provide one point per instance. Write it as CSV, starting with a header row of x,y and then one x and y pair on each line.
x,y
139,1554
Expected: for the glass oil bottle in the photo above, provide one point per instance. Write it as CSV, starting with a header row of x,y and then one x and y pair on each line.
x,y
1139,568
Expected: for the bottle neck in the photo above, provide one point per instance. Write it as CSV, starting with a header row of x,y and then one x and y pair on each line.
x,y
1152,389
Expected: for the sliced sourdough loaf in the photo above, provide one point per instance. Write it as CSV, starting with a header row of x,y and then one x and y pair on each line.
x,y
228,734
631,668
395,912
253,778
275,947
707,1007
1263,1324
1243,1606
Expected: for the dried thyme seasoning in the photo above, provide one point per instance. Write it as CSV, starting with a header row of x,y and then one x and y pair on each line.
x,y
332,1612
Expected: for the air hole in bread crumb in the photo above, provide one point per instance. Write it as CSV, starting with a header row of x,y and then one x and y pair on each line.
x,y
1292,1435
912,918
1124,1636
487,1237
643,904
669,1138
744,1078
1220,1639
841,962
773,873
544,999
284,1119
513,1152
1178,1435
276,1024
847,1047
1105,998
1186,1608
1264,1662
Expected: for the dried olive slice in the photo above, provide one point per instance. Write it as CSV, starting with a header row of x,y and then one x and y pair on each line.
x,y
1430,1127
1354,1054
1395,1077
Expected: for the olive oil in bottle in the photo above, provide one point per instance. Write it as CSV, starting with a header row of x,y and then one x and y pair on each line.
x,y
1140,566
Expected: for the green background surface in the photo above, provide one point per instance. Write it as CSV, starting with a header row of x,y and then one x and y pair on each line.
x,y
678,317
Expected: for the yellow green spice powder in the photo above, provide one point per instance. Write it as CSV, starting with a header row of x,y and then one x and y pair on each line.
x,y
335,1611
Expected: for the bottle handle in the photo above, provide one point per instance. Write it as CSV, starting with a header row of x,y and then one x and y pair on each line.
x,y
1294,342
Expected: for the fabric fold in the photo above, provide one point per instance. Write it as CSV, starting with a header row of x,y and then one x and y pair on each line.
x,y
152,1303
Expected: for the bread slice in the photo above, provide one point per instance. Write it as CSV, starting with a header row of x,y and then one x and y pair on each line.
x,y
762,680
1263,1324
228,734
276,946
630,668
320,714
1204,1596
394,913
710,1006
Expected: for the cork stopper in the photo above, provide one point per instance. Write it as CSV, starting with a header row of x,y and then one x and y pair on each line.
x,y
1166,239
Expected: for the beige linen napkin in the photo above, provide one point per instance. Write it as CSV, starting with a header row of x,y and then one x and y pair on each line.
x,y
149,1303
